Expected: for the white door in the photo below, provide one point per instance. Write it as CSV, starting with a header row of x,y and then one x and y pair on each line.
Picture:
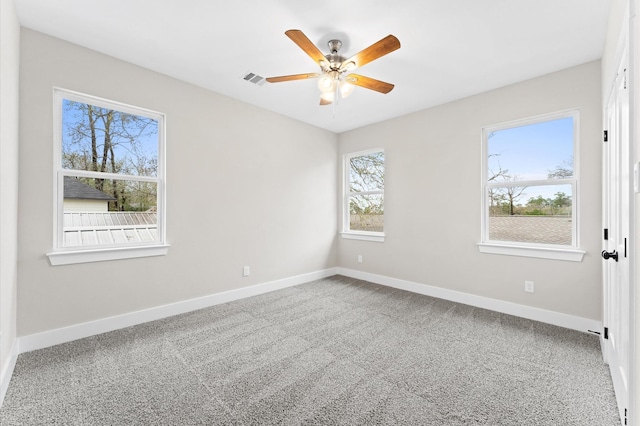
x,y
616,187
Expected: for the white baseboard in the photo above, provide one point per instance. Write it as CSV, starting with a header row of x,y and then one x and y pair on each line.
x,y
79,331
92,328
66,334
523,311
7,369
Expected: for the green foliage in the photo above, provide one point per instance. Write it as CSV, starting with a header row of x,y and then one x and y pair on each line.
x,y
561,200
539,201
536,206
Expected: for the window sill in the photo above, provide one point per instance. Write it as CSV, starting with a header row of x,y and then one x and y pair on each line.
x,y
99,255
364,236
568,254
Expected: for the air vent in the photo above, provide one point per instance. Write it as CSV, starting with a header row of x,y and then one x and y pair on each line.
x,y
254,78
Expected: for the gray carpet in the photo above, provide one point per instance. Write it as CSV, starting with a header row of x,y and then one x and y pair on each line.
x,y
334,351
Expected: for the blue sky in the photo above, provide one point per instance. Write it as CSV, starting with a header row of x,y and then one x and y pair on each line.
x,y
146,145
529,152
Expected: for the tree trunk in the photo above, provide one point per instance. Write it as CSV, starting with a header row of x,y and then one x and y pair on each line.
x,y
119,206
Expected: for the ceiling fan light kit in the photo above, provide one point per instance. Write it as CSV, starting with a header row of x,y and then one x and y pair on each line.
x,y
335,82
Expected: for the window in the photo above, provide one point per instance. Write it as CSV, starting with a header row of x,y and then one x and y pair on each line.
x,y
109,180
364,195
530,187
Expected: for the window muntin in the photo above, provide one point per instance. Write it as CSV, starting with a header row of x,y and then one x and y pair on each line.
x,y
530,182
109,167
364,192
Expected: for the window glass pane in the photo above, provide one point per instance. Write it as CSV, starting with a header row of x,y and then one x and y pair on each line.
x,y
107,140
106,211
366,213
534,214
537,151
366,172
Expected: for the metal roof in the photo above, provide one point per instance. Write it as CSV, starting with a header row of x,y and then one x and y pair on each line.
x,y
106,228
75,189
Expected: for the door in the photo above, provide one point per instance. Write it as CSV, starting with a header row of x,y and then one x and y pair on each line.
x,y
616,187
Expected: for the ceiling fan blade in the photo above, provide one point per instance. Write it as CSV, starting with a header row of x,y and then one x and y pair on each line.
x,y
323,102
291,77
369,83
305,44
371,53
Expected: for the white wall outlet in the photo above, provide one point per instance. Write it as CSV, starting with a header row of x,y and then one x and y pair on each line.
x,y
359,258
246,271
528,286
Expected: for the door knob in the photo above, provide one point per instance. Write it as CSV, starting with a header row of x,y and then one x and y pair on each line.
x,y
610,255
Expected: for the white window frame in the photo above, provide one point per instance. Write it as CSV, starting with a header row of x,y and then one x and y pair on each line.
x,y
513,248
61,255
346,231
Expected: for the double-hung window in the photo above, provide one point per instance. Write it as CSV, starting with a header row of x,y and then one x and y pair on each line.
x,y
108,180
363,203
529,189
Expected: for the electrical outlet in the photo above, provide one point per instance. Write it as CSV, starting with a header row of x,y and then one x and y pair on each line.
x,y
246,271
528,286
359,258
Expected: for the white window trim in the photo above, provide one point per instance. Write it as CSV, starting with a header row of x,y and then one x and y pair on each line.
x,y
364,236
346,232
112,253
541,252
571,253
70,255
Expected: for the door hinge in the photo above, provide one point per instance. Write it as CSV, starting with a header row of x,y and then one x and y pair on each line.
x,y
625,416
606,234
606,333
606,136
625,247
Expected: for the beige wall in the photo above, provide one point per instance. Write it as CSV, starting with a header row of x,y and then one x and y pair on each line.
x,y
9,61
244,187
433,196
76,205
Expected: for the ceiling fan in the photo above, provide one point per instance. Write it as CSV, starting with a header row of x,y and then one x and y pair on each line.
x,y
335,80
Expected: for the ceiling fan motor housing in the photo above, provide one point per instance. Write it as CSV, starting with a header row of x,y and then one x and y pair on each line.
x,y
334,59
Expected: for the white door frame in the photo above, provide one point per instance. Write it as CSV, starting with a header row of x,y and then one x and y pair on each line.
x,y
630,32
634,154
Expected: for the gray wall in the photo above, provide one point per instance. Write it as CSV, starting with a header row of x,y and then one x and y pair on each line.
x,y
433,196
245,187
9,60
249,187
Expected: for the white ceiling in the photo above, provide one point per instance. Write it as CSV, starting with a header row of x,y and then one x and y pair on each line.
x,y
450,48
